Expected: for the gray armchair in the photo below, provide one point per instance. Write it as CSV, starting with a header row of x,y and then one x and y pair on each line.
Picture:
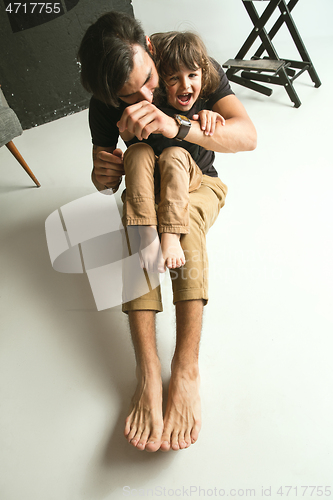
x,y
10,128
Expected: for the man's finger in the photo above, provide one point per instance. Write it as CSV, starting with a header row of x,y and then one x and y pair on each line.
x,y
141,127
127,114
139,120
118,152
108,169
110,158
150,128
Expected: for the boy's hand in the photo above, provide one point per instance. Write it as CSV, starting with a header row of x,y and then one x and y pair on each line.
x,y
108,167
208,120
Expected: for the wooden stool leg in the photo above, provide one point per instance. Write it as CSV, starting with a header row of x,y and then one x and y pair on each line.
x,y
13,149
288,85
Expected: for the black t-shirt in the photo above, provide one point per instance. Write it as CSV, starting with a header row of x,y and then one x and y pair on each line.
x,y
105,133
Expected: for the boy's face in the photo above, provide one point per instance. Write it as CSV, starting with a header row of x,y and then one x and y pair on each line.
x,y
143,79
183,88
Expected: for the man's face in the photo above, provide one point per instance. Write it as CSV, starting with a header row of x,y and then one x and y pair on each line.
x,y
143,79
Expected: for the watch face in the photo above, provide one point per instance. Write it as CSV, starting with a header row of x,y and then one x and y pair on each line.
x,y
183,120
184,126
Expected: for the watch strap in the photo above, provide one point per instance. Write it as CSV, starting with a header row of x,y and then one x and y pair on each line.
x,y
184,126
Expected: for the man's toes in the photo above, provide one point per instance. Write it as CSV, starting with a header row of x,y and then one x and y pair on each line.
x,y
187,438
154,439
127,429
195,433
143,440
165,441
165,445
130,435
153,445
181,441
174,441
135,440
194,437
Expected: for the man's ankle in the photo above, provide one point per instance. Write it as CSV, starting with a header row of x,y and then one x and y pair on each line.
x,y
149,368
190,367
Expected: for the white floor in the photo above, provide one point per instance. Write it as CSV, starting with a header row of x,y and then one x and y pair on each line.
x,y
67,370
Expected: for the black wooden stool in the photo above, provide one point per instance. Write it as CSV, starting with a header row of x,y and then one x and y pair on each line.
x,y
270,68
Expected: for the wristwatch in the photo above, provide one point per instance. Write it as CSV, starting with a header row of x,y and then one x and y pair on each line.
x,y
184,126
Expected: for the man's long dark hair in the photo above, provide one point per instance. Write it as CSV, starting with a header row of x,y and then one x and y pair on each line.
x,y
106,54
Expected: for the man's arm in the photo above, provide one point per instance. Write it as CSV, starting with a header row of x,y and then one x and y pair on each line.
x,y
238,133
108,167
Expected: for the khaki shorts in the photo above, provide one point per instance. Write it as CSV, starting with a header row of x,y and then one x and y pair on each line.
x,y
205,196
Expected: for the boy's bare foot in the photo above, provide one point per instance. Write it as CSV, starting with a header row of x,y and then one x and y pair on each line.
x,y
172,251
182,421
144,424
150,250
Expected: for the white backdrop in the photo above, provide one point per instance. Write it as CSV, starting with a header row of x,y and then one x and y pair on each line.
x,y
228,21
67,372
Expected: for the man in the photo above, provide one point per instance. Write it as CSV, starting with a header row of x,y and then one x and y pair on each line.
x,y
118,68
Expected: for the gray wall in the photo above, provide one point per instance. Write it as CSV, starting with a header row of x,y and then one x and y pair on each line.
x,y
38,69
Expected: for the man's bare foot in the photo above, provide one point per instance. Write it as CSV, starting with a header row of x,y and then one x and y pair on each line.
x,y
144,424
182,421
172,251
150,250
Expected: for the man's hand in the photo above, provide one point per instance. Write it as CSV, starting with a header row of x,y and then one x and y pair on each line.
x,y
208,120
144,118
108,167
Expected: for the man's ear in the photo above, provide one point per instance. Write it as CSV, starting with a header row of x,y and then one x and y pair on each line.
x,y
149,45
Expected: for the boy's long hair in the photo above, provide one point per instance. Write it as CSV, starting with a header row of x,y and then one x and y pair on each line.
x,y
177,49
106,54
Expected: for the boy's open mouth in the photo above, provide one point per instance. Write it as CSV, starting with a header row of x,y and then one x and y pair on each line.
x,y
184,99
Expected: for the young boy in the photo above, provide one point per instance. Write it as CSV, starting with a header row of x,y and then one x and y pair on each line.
x,y
164,170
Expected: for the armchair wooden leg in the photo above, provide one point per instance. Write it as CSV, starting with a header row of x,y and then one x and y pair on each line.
x,y
13,149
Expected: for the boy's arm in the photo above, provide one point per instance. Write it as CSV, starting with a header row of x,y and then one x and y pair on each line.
x,y
238,133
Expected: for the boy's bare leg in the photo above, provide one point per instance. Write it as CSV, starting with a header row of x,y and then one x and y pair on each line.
x,y
182,421
172,251
155,255
144,425
150,249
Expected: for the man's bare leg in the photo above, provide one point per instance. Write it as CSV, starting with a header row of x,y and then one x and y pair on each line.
x,y
182,421
144,425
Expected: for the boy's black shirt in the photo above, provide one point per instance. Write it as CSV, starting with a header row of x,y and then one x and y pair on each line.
x,y
105,133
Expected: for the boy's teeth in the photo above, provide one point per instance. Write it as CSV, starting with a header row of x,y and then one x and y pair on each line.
x,y
184,97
